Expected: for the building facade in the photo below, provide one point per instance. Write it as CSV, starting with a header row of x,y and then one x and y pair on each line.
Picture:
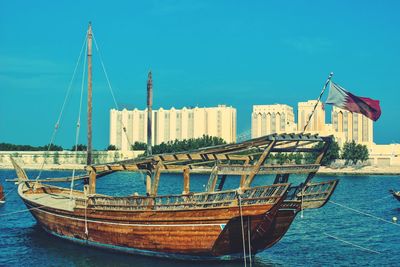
x,y
269,119
345,126
172,124
317,123
354,126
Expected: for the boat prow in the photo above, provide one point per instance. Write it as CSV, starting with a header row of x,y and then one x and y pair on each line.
x,y
396,194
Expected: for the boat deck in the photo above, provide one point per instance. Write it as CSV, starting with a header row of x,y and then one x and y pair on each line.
x,y
60,200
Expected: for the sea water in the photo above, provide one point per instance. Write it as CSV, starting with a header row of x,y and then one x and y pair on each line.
x,y
311,241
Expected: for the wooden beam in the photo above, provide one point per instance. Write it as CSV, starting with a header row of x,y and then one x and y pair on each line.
x,y
186,181
92,182
319,159
221,183
148,183
156,179
212,181
243,177
89,105
259,163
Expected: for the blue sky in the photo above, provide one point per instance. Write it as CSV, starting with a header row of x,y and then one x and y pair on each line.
x,y
201,53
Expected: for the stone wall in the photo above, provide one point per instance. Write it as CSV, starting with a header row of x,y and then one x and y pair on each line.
x,y
64,157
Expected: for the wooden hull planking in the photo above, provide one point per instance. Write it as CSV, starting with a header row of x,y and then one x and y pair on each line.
x,y
179,234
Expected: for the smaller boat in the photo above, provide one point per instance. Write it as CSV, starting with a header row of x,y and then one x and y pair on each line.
x,y
396,194
2,197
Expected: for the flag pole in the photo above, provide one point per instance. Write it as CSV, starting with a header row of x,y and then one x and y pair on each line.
x,y
305,127
318,100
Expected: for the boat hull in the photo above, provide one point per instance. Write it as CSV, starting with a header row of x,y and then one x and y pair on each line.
x,y
395,194
183,234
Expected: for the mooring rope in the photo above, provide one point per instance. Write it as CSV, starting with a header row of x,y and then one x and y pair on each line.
x,y
352,244
302,196
9,192
57,125
86,224
249,240
241,220
377,200
363,213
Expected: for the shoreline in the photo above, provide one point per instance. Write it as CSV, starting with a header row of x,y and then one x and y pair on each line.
x,y
367,170
323,171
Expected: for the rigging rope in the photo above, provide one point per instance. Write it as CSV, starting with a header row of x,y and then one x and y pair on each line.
x,y
111,89
57,125
78,123
241,220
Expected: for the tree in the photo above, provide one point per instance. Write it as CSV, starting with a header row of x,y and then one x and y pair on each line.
x,y
111,147
181,145
331,154
12,147
139,146
353,152
363,152
187,144
296,157
281,158
79,147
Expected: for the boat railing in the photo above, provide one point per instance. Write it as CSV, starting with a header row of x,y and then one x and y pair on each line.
x,y
316,195
240,169
251,196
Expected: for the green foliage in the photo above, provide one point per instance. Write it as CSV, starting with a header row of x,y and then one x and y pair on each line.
x,y
353,152
139,146
111,147
12,147
188,144
281,158
80,147
182,145
297,158
331,154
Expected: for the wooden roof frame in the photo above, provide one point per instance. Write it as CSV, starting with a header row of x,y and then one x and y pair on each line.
x,y
223,154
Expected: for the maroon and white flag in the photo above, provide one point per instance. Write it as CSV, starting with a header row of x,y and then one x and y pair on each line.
x,y
340,97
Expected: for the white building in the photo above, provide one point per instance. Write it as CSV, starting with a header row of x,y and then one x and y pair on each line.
x,y
269,119
354,126
317,123
172,124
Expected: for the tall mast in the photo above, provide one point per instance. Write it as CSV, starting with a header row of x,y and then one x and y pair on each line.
x,y
89,105
149,111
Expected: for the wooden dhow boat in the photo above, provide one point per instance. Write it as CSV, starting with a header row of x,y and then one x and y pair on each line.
x,y
216,224
396,194
2,197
